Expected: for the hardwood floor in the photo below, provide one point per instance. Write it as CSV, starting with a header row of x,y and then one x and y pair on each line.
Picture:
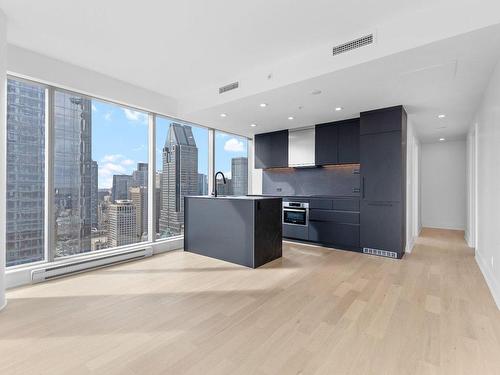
x,y
315,311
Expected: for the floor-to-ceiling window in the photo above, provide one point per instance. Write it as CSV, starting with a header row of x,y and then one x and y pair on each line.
x,y
231,158
181,169
25,172
78,172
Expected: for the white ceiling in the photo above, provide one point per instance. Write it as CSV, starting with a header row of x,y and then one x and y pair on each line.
x,y
186,49
446,77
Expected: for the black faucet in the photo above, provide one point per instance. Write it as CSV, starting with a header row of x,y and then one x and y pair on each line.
x,y
215,182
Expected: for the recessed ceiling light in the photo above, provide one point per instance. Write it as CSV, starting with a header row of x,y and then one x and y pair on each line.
x,y
441,116
316,92
290,118
223,115
338,109
442,139
253,125
263,105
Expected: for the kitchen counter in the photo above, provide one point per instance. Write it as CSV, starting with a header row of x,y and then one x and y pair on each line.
x,y
245,230
239,197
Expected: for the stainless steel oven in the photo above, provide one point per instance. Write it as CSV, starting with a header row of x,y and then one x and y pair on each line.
x,y
296,213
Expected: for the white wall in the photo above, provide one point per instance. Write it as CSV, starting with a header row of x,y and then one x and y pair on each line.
x,y
412,187
443,171
29,64
3,152
487,143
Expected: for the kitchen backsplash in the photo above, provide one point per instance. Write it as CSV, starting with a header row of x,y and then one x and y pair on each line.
x,y
338,180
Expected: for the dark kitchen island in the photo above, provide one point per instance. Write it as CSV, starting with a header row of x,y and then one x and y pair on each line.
x,y
243,230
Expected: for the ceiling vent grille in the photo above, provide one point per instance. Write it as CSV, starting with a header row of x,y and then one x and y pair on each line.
x,y
229,87
353,44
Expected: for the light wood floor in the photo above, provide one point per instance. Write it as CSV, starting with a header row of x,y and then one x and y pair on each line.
x,y
315,311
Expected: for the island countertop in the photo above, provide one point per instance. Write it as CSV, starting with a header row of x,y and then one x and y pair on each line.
x,y
240,197
239,229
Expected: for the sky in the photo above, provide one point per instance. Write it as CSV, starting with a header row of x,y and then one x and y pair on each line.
x,y
120,141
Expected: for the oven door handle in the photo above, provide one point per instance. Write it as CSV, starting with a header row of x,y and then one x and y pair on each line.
x,y
295,209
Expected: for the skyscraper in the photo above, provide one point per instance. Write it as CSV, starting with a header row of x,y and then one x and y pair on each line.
x,y
139,197
25,172
121,185
239,176
94,195
140,175
179,177
73,172
202,184
122,223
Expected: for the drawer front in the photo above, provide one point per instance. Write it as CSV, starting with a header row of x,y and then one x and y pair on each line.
x,y
345,204
325,204
293,199
298,232
346,217
334,233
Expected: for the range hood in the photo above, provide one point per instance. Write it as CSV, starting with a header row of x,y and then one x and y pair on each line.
x,y
301,148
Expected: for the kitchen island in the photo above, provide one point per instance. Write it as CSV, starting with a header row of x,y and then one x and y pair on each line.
x,y
244,230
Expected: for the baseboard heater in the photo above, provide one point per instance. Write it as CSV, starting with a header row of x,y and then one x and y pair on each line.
x,y
71,268
380,253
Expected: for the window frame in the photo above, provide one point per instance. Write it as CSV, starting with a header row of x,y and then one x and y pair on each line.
x,y
49,216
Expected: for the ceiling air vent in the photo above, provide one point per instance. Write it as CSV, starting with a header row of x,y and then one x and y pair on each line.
x,y
353,44
229,87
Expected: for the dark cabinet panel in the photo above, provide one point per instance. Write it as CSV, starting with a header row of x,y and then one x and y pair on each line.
x,y
335,234
326,144
381,120
382,226
298,232
348,142
325,204
271,150
345,204
345,217
381,167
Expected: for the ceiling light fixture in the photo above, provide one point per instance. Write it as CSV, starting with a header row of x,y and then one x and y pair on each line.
x,y
338,109
290,118
253,125
223,115
263,105
441,116
442,139
316,92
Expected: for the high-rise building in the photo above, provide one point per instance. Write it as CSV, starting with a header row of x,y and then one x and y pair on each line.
x,y
94,195
224,188
239,176
139,197
121,186
140,175
73,172
122,223
25,172
202,184
179,177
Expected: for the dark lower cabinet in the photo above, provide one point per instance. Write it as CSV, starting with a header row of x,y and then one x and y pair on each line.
x,y
296,232
382,226
334,234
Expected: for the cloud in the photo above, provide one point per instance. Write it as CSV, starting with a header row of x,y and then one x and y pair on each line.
x,y
139,148
127,162
233,145
107,116
94,108
112,157
132,115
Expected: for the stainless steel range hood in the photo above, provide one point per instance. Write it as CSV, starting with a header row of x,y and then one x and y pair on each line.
x,y
301,148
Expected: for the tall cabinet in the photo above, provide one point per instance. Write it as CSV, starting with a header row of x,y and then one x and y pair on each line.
x,y
383,181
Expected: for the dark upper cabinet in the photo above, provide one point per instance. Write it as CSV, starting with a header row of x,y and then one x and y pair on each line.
x,y
382,120
348,147
271,150
383,179
337,142
327,136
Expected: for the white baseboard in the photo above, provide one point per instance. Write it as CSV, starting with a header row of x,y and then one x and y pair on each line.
x,y
410,245
492,283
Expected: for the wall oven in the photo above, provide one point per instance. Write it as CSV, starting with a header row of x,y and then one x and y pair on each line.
x,y
296,213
